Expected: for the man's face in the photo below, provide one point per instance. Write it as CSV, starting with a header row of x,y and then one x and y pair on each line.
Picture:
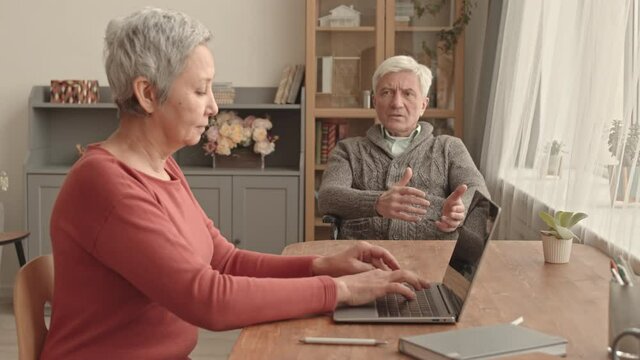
x,y
399,102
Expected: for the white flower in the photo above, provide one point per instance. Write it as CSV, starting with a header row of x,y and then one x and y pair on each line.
x,y
264,147
260,134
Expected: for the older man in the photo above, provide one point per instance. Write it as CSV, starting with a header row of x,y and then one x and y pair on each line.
x,y
400,181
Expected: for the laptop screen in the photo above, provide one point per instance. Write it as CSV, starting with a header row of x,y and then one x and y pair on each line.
x,y
473,237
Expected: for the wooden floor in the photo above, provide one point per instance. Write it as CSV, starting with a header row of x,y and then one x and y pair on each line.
x,y
211,345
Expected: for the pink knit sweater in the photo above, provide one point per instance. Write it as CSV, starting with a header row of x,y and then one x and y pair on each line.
x,y
139,266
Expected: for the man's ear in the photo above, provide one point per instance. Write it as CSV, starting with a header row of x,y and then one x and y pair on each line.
x,y
425,104
145,94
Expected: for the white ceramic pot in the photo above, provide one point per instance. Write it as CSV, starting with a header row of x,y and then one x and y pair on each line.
x,y
556,251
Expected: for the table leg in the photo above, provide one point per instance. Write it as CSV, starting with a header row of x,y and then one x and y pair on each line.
x,y
20,252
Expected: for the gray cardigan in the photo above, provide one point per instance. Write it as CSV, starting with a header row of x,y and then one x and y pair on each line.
x,y
361,168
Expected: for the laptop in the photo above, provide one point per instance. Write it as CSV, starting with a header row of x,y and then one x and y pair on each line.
x,y
441,302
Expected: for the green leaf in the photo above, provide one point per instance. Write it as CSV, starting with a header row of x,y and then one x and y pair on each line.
x,y
577,217
564,218
547,219
565,233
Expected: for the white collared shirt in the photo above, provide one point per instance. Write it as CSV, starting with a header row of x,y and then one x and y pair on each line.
x,y
398,144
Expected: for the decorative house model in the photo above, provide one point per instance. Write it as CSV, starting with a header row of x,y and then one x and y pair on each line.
x,y
341,16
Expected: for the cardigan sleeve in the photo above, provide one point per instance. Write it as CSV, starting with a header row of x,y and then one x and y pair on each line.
x,y
337,195
462,170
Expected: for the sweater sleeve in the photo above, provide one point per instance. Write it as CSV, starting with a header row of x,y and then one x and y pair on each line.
x,y
229,260
337,195
156,260
462,170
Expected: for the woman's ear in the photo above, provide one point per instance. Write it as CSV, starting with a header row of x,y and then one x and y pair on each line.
x,y
145,94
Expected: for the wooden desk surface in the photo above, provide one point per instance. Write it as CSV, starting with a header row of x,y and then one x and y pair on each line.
x,y
568,300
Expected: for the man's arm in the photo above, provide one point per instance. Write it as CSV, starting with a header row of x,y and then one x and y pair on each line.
x,y
336,195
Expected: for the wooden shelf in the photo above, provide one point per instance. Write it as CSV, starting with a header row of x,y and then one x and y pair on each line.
x,y
346,29
439,113
321,167
421,28
345,113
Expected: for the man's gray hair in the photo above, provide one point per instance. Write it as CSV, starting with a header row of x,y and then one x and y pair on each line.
x,y
404,63
152,43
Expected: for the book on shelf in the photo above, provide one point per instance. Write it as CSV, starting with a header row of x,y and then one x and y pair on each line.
x,y
324,74
318,141
296,84
324,145
287,85
282,84
328,133
483,342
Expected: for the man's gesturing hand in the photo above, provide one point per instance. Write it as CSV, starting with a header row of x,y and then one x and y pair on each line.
x,y
452,210
401,201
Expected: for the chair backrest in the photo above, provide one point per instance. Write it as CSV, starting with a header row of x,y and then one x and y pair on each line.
x,y
33,289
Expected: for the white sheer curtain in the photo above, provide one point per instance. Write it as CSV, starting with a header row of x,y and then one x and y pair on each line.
x,y
564,71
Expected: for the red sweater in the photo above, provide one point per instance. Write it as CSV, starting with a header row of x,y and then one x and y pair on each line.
x,y
139,266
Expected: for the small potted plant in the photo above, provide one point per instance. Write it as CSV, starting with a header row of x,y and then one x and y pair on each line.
x,y
556,242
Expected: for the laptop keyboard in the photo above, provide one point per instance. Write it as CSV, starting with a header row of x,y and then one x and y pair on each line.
x,y
396,305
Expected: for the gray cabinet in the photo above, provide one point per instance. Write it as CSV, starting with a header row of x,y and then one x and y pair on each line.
x,y
214,196
260,209
265,212
260,213
42,191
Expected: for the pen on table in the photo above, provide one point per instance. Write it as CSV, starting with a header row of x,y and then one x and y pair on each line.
x,y
616,276
623,266
341,341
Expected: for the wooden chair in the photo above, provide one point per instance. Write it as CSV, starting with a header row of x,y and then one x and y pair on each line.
x,y
33,288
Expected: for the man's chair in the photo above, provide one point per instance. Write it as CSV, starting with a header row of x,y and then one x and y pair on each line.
x,y
33,289
335,225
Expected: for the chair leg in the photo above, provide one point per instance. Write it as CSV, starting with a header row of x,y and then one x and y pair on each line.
x,y
20,252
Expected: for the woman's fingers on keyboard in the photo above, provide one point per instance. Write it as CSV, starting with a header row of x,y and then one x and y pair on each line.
x,y
401,289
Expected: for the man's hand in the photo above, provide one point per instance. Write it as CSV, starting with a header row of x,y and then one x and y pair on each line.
x,y
452,210
356,259
402,202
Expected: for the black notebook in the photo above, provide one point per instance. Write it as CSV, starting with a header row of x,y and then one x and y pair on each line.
x,y
482,342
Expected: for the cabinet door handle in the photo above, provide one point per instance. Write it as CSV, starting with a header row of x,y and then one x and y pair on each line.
x,y
236,242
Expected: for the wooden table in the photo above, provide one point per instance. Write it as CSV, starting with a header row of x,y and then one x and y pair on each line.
x,y
569,300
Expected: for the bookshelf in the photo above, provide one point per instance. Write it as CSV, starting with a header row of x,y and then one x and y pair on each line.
x,y
385,28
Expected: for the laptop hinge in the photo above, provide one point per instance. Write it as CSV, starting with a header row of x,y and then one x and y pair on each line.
x,y
450,302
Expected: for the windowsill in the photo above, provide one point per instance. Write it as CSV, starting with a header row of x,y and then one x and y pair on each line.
x,y
533,193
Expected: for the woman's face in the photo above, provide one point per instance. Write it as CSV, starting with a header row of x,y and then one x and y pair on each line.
x,y
183,117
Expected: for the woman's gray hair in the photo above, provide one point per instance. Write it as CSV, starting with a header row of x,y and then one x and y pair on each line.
x,y
404,63
152,43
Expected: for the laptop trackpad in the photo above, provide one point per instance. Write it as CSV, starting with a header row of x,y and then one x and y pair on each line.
x,y
356,313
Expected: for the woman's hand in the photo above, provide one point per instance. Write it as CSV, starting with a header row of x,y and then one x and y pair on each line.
x,y
365,287
356,259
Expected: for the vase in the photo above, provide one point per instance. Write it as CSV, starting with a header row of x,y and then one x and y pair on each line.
x,y
556,251
240,158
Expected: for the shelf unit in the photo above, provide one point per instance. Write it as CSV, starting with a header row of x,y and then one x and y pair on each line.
x,y
378,38
255,209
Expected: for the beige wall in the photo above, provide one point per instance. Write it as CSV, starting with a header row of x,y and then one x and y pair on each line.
x,y
44,40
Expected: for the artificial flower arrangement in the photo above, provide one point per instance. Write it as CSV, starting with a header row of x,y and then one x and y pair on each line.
x,y
227,131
